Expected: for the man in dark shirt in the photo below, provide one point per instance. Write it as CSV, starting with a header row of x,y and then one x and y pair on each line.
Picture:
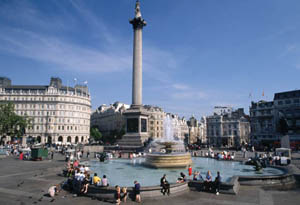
x,y
137,190
165,185
218,183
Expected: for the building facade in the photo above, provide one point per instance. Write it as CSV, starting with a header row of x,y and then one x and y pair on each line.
x,y
109,118
263,129
228,128
265,116
59,114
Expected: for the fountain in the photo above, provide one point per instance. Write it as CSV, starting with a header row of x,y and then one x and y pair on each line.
x,y
168,152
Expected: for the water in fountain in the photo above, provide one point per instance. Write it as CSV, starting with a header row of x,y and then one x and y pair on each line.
x,y
168,152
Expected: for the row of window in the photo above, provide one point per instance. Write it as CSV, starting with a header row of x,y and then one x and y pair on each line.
x,y
44,99
53,127
51,106
289,101
60,120
53,113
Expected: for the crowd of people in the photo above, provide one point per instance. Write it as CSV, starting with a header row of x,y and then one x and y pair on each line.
x,y
79,178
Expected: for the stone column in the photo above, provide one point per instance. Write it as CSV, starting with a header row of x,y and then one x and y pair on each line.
x,y
138,23
137,68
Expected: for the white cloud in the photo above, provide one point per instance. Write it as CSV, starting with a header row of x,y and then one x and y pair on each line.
x,y
63,54
288,49
179,86
189,95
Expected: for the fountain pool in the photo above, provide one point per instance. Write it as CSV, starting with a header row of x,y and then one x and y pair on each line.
x,y
124,171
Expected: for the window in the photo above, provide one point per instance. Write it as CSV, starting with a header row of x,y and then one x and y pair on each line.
x,y
296,100
280,103
288,102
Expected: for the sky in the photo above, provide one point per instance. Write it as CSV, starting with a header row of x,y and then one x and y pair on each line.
x,y
197,54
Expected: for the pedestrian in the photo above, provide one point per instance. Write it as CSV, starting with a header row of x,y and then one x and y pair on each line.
x,y
218,183
165,185
137,192
190,171
52,155
87,154
118,195
21,156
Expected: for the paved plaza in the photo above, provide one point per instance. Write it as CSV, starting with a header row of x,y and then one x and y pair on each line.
x,y
26,182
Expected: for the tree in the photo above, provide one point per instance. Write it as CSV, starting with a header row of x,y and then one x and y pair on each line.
x,y
96,134
12,124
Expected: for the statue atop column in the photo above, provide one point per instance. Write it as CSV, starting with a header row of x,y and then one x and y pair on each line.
x,y
138,10
138,21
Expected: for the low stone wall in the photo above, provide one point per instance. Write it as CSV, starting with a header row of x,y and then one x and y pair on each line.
x,y
93,148
231,187
283,182
107,193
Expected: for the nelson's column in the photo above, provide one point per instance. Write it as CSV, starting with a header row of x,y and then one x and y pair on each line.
x,y
136,116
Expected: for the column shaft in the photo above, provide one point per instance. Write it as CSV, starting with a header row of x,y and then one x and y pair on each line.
x,y
137,68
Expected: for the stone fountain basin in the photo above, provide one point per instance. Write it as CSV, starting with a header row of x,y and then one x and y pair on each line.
x,y
174,160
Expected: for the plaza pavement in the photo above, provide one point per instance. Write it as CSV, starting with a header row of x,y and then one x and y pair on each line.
x,y
26,182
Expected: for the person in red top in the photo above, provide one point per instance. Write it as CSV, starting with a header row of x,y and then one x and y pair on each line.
x,y
75,164
21,156
190,170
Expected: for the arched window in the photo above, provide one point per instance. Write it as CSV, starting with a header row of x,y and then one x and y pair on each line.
x,y
69,139
60,138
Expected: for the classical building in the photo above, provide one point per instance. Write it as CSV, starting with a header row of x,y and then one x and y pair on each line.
x,y
263,129
287,106
59,114
228,128
109,118
265,118
156,121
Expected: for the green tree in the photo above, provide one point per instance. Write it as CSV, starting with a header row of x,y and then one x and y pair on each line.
x,y
12,124
96,134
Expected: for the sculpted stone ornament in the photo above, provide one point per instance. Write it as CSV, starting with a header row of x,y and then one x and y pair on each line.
x,y
138,22
137,10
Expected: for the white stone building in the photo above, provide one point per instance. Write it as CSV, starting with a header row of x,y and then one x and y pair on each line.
x,y
108,118
228,129
59,114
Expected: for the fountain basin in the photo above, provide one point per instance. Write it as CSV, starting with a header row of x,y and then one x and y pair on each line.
x,y
124,171
179,160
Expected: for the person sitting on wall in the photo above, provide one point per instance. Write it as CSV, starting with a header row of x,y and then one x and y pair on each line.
x,y
208,181
96,180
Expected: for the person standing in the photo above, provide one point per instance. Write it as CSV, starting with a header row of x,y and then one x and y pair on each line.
x,y
190,171
218,183
137,192
87,154
21,156
52,155
165,185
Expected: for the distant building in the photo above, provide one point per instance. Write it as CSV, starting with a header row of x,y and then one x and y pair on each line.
x,y
265,118
263,129
109,118
228,128
59,114
155,121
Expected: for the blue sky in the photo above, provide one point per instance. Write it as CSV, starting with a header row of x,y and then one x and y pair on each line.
x,y
196,53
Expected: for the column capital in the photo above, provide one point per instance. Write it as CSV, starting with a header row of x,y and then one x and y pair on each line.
x,y
138,23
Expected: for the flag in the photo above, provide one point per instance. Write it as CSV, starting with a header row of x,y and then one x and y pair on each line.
x,y
85,82
250,95
263,93
75,79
